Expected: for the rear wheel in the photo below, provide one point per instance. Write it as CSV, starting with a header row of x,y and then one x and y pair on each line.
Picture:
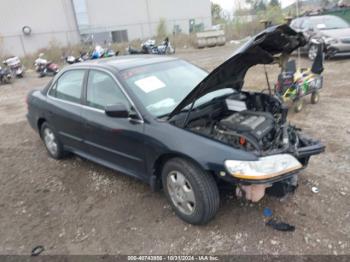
x,y
192,193
315,98
298,105
53,146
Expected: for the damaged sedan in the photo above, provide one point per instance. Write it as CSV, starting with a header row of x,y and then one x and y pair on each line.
x,y
178,128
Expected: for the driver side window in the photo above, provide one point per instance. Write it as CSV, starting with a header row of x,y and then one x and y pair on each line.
x,y
102,91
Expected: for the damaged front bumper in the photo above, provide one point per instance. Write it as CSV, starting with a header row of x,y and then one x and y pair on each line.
x,y
282,182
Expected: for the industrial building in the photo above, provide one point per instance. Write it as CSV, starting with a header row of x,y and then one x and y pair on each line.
x,y
26,26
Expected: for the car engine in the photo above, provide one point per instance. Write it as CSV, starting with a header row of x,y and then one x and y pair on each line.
x,y
247,129
249,121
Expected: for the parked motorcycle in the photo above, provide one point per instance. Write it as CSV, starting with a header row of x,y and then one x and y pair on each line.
x,y
44,67
150,47
110,52
100,52
166,47
15,66
5,75
72,59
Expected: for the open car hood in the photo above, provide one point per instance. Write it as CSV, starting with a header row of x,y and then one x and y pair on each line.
x,y
273,43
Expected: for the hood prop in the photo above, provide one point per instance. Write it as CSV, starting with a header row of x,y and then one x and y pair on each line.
x,y
190,109
267,80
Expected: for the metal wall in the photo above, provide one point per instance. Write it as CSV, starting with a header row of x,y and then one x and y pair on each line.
x,y
50,20
141,17
56,20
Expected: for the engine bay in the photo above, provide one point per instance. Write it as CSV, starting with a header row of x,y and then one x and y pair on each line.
x,y
255,122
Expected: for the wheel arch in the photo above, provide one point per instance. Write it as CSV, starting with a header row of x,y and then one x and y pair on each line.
x,y
160,162
40,123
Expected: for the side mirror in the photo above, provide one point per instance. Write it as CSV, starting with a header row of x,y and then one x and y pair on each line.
x,y
117,110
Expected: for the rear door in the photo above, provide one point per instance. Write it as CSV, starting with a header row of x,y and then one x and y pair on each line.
x,y
116,141
64,113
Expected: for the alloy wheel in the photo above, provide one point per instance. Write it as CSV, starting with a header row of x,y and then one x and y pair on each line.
x,y
181,192
50,141
312,52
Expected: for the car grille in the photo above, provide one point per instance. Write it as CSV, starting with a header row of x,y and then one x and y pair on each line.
x,y
345,40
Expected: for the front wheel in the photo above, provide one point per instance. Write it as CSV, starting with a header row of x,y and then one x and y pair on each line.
x,y
315,97
312,53
298,106
192,193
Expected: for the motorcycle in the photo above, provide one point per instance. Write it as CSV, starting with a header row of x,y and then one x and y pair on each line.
x,y
165,48
110,53
15,66
44,67
147,47
72,59
150,47
5,75
100,52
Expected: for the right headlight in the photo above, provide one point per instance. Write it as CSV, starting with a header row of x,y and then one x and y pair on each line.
x,y
264,167
329,40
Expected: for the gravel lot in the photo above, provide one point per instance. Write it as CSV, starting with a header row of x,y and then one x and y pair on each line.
x,y
77,207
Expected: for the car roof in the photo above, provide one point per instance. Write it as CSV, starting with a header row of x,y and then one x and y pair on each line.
x,y
127,61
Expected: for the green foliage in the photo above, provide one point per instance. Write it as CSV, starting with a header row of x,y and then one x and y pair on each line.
x,y
273,14
161,29
274,3
216,11
257,5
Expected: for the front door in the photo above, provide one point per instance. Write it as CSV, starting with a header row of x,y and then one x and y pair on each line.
x,y
117,141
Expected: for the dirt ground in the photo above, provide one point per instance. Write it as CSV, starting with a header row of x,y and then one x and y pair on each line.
x,y
77,207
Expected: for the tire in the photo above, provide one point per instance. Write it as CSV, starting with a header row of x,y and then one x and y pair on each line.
x,y
49,136
183,180
315,98
312,52
298,105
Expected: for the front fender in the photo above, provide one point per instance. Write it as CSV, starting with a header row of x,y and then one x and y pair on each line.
x,y
163,138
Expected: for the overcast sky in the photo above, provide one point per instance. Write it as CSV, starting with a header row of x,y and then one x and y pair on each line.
x,y
230,4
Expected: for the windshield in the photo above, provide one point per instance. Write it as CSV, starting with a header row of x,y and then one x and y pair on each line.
x,y
329,22
162,86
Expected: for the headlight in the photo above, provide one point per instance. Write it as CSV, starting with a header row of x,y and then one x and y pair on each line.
x,y
264,167
329,40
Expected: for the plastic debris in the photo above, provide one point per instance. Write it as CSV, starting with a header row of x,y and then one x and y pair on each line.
x,y
267,212
36,251
280,226
315,189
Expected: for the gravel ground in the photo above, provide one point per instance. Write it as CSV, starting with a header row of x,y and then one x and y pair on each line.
x,y
77,207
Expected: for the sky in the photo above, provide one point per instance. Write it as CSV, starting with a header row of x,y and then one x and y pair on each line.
x,y
229,5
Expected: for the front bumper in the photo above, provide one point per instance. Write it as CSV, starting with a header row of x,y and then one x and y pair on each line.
x,y
307,148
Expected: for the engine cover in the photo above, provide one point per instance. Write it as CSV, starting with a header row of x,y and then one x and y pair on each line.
x,y
256,124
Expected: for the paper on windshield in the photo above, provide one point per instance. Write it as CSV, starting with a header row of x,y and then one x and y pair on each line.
x,y
149,84
321,26
167,102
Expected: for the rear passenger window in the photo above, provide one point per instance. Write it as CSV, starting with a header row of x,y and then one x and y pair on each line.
x,y
102,90
69,86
